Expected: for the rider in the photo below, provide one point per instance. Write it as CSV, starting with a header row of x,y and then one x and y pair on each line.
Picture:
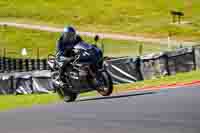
x,y
67,41
65,44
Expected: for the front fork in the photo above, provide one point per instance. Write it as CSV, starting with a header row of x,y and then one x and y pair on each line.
x,y
95,79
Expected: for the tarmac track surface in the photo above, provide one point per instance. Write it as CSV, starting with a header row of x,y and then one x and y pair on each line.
x,y
164,111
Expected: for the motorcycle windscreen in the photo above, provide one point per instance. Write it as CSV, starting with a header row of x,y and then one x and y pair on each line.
x,y
83,45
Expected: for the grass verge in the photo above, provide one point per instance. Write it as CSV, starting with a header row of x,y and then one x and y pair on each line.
x,y
15,39
19,101
12,102
141,17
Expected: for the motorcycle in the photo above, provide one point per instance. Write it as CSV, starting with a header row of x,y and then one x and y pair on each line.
x,y
85,73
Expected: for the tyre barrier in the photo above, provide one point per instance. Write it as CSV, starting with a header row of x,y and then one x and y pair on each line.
x,y
8,65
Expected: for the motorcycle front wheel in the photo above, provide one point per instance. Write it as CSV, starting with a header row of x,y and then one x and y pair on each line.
x,y
107,88
67,96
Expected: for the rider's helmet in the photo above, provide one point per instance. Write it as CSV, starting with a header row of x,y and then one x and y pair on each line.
x,y
69,34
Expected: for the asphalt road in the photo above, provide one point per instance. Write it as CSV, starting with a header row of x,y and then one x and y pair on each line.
x,y
166,111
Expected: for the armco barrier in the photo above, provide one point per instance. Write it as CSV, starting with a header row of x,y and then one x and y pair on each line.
x,y
196,51
154,66
122,70
126,70
26,82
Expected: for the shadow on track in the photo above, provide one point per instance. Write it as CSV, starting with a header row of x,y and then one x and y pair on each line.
x,y
114,97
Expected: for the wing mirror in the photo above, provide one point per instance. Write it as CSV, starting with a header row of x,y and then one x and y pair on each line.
x,y
96,38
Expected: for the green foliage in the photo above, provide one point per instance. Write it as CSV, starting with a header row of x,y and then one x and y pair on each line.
x,y
142,17
12,101
14,39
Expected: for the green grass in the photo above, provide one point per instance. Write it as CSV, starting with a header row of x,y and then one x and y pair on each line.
x,y
138,17
19,101
13,102
14,39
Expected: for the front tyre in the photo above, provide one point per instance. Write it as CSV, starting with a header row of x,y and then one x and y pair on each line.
x,y
70,97
67,96
107,88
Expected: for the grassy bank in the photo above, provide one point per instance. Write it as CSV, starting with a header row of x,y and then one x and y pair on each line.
x,y
15,39
138,17
12,102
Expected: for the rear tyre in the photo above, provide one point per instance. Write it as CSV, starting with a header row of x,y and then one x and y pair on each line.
x,y
107,87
